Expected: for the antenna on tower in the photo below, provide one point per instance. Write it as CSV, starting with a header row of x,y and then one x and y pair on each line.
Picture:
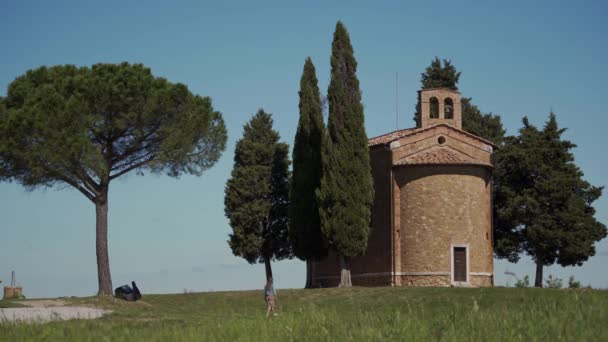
x,y
397,98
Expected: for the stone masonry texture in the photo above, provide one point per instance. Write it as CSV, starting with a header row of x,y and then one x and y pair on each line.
x,y
425,204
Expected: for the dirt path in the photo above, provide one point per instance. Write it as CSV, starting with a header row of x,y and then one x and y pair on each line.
x,y
42,311
43,303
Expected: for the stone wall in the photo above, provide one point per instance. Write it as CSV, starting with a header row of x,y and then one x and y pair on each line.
x,y
442,206
441,94
425,280
454,139
443,280
419,212
363,280
482,281
407,280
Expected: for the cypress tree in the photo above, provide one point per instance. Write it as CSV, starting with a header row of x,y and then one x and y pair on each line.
x,y
257,194
346,191
545,204
305,226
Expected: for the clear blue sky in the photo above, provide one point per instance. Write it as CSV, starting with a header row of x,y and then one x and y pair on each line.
x,y
516,59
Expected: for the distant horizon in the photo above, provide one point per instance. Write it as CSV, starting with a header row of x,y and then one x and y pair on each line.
x,y
169,234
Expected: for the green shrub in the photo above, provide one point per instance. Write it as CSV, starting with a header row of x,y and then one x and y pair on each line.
x,y
573,284
525,282
553,283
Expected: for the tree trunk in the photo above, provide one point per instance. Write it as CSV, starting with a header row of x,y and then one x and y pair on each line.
x,y
268,268
308,274
101,244
538,281
345,272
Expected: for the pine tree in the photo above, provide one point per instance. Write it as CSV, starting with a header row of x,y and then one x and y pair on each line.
x,y
437,75
443,74
84,127
305,226
346,191
487,126
257,194
545,205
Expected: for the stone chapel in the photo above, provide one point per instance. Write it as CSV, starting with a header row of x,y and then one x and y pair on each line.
x,y
432,213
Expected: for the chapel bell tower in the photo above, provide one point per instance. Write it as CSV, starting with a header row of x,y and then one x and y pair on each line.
x,y
439,105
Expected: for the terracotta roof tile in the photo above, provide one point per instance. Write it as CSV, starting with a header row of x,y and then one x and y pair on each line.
x,y
392,136
440,156
388,137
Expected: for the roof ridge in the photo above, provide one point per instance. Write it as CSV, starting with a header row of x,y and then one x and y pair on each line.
x,y
397,131
440,155
377,141
391,136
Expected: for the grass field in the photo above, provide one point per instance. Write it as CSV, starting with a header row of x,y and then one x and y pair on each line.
x,y
362,314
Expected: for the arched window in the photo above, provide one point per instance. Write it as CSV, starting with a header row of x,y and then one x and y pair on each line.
x,y
448,108
434,108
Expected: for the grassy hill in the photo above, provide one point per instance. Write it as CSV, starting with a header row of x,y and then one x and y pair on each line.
x,y
9,304
362,314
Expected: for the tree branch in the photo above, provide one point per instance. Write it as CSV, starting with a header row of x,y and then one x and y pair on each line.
x,y
87,181
140,145
53,173
84,191
132,167
127,162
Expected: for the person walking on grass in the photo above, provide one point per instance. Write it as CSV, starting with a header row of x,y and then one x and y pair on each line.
x,y
270,297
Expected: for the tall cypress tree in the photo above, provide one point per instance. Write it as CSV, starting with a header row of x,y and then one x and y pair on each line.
x,y
257,194
545,205
305,226
346,191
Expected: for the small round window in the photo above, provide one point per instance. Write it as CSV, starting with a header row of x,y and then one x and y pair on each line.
x,y
441,140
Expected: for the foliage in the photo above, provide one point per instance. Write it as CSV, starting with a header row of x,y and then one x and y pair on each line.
x,y
257,193
484,125
305,226
487,126
440,75
86,126
346,191
525,282
10,303
573,284
553,283
544,205
357,314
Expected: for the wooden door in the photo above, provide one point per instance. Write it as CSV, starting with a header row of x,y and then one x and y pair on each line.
x,y
460,264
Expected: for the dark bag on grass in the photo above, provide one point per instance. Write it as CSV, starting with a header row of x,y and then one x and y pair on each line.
x,y
136,293
128,293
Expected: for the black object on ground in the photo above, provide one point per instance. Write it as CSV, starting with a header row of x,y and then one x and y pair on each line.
x,y
128,293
